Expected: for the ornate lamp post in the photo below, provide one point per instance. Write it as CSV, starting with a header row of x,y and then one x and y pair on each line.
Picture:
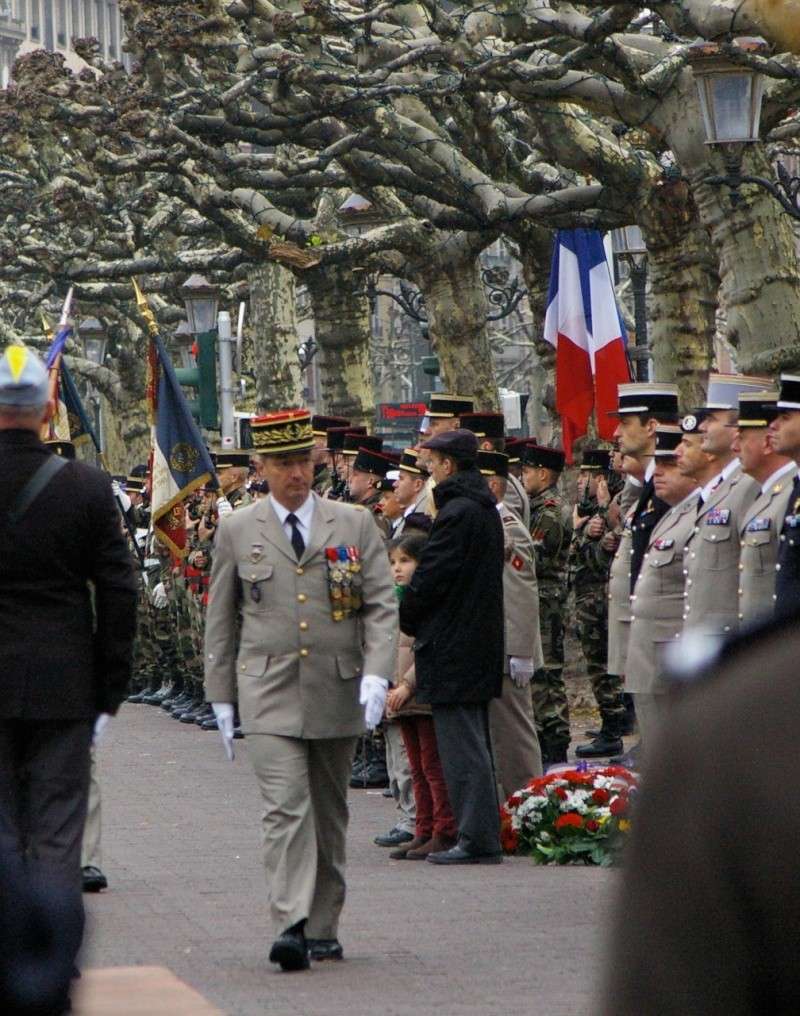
x,y
629,246
94,338
183,337
201,299
731,94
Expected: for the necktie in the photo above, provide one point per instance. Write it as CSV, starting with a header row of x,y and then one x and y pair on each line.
x,y
297,538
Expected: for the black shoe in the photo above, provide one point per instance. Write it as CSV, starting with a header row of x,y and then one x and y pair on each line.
x,y
174,701
191,706
592,733
325,949
181,703
601,747
290,950
393,838
93,879
206,714
210,724
138,697
191,714
155,698
457,855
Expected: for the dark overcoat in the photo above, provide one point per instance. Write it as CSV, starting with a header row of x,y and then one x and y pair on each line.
x,y
453,605
57,662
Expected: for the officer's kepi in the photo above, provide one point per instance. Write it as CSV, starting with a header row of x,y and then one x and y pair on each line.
x,y
24,381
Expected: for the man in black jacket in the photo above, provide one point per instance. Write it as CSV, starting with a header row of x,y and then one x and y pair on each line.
x,y
454,608
65,651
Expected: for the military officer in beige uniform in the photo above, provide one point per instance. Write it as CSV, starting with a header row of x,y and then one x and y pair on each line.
x,y
712,559
760,528
310,580
517,755
657,598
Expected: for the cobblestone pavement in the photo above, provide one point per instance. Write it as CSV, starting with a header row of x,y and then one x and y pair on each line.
x,y
182,853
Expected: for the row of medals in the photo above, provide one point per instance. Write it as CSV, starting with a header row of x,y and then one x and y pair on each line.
x,y
344,581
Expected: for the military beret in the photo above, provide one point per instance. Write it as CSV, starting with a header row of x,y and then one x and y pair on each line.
x,y
24,381
461,445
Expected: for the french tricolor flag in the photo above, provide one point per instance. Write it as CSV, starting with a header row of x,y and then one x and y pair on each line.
x,y
583,323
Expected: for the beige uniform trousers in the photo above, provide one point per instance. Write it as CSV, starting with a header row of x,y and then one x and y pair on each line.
x,y
303,785
515,744
90,846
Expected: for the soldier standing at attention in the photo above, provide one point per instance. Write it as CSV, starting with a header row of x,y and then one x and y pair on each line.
x,y
321,455
761,524
311,582
786,441
589,564
551,530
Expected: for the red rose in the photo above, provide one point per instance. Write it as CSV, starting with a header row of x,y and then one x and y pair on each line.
x,y
571,819
515,800
619,806
600,796
592,826
560,793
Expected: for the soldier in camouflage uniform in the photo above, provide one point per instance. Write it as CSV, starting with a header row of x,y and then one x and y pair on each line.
x,y
551,530
589,566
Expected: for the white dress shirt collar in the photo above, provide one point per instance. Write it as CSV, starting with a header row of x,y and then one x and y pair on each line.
x,y
651,468
790,467
303,514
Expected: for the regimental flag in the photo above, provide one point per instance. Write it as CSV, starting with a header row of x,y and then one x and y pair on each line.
x,y
583,323
180,462
58,426
80,427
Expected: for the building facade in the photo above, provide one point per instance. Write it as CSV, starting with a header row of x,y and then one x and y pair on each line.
x,y
26,25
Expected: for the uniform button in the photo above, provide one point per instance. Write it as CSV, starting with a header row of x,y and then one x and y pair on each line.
x,y
633,598
688,582
304,652
243,666
301,597
778,566
304,626
300,571
740,591
713,536
253,577
782,537
685,595
695,530
677,634
741,567
741,617
693,555
633,617
685,571
727,627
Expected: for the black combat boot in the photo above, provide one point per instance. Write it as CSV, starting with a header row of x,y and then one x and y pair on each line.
x,y
608,742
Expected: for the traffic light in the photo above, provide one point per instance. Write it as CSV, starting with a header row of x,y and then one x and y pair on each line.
x,y
203,378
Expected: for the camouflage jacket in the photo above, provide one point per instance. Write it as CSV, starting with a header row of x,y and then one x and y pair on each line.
x,y
588,562
551,529
323,481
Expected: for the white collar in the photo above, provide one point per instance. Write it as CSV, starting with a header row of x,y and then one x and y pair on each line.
x,y
715,481
303,513
500,507
783,471
651,468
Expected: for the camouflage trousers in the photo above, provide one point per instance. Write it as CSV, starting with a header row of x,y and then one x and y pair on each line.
x,y
591,616
144,655
548,692
190,660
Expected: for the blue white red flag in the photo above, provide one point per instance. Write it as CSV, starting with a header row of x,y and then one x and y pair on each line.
x,y
180,461
584,325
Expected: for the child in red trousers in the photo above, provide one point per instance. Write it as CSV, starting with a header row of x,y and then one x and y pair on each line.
x,y
435,826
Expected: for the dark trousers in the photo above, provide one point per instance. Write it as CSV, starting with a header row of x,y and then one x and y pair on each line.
x,y
462,736
434,817
44,785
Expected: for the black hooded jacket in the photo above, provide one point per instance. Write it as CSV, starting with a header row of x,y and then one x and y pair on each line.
x,y
454,602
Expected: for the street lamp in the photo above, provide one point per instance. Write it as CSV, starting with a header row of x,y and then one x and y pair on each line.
x,y
629,246
731,94
201,299
95,340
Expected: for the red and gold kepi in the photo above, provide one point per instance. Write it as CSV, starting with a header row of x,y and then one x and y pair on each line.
x,y
282,433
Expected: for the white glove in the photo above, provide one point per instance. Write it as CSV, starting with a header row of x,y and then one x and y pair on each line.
x,y
120,495
100,725
521,670
223,711
159,596
224,507
372,695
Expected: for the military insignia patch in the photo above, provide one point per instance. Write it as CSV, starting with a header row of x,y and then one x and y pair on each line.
x,y
517,562
718,517
663,544
256,552
758,525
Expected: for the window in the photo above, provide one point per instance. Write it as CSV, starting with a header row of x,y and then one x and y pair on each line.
x,y
61,25
113,40
36,25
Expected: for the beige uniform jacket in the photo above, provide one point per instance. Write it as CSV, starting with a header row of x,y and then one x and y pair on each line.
x,y
520,592
516,498
420,507
760,538
619,598
712,557
657,600
296,670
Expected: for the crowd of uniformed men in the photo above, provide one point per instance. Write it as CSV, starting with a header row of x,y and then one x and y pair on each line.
x,y
688,525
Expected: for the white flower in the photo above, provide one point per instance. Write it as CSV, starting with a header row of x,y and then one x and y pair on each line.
x,y
576,800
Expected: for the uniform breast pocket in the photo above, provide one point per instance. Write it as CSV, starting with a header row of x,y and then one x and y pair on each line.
x,y
256,582
760,551
717,549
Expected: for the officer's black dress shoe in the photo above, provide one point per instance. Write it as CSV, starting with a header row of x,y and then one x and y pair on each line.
x,y
457,855
290,950
93,879
325,949
393,838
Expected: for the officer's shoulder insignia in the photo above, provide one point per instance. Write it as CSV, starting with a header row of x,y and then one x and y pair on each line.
x,y
777,488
